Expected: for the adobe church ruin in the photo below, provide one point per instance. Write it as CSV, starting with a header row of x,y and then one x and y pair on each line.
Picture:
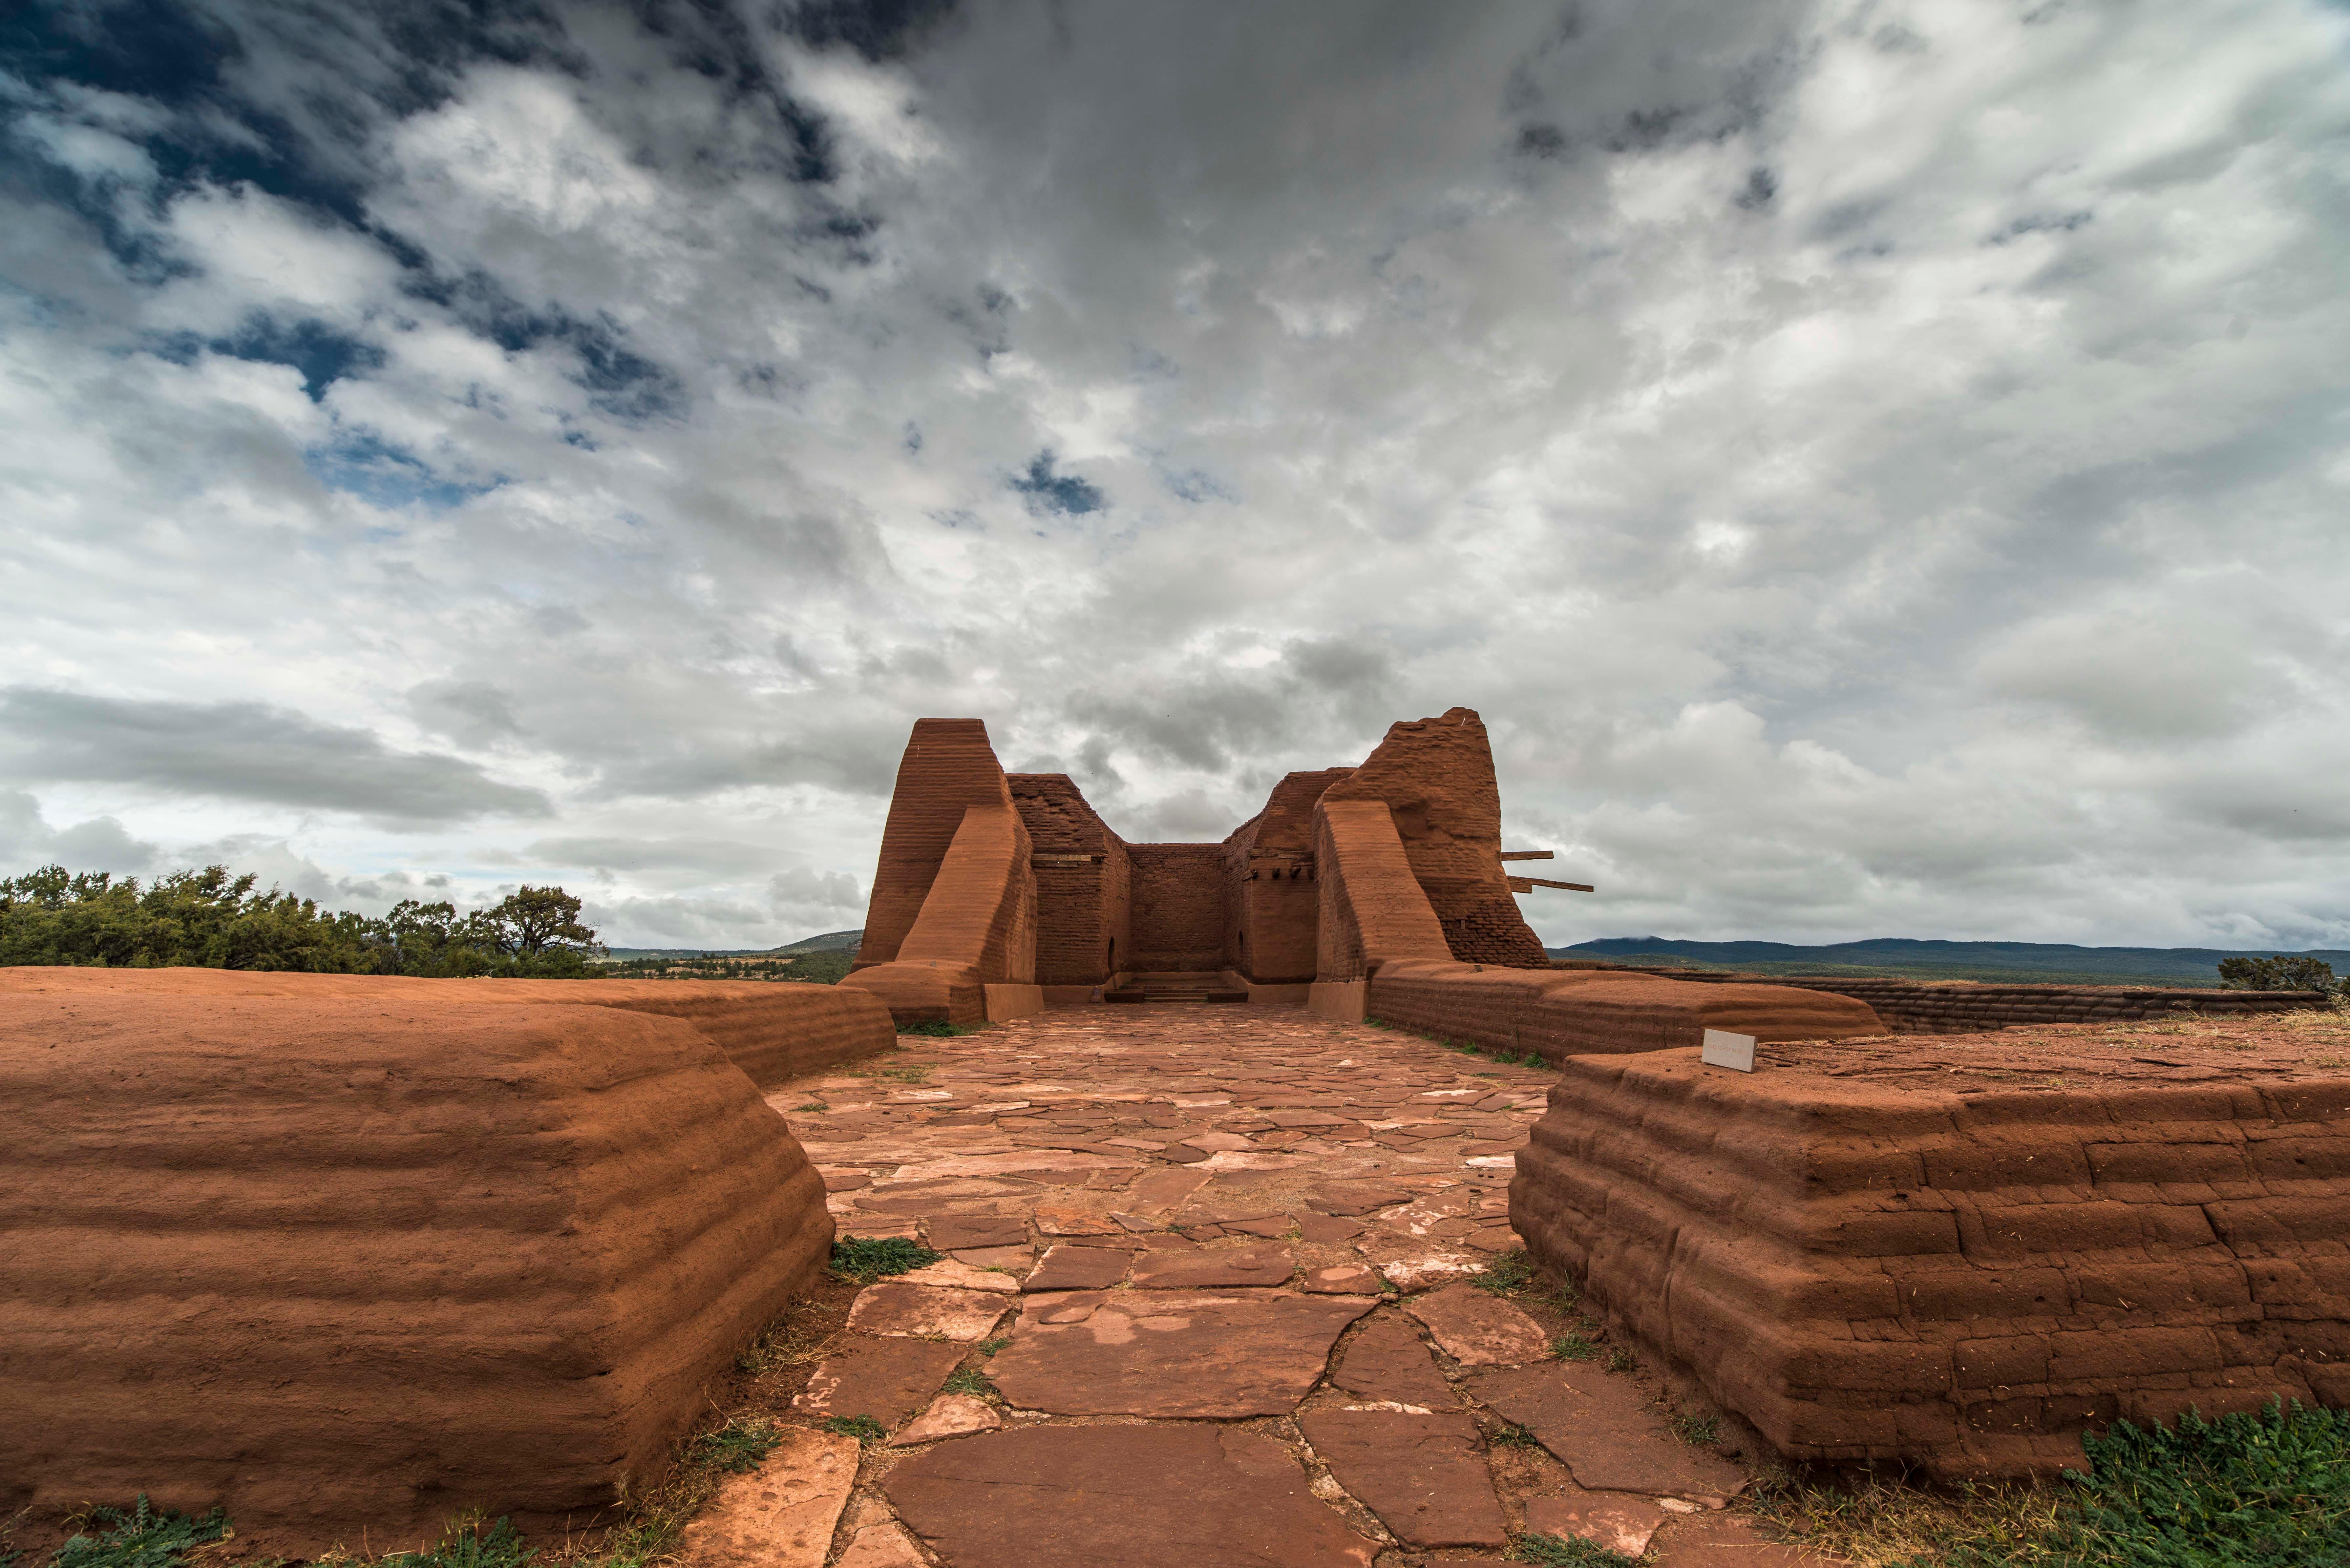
x,y
1378,887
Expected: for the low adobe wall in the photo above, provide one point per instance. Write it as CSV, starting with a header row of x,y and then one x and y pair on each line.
x,y
774,1031
350,1256
1965,1007
1960,1253
1558,1015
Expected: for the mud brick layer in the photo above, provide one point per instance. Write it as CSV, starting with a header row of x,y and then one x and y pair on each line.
x,y
1893,1251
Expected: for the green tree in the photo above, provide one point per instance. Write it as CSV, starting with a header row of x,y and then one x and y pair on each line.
x,y
2282,972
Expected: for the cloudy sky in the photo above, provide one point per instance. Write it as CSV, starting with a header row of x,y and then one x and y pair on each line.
x,y
1879,468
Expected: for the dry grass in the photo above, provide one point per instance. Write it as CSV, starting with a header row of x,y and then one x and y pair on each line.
x,y
1885,1524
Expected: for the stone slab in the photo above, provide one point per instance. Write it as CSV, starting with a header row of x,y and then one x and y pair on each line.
x,y
1216,1356
950,1416
781,1515
1477,1328
955,1232
1074,1268
1344,1280
960,1275
893,1309
1209,1269
1137,1496
1616,1522
887,1379
1605,1432
882,1545
1424,1476
1387,1361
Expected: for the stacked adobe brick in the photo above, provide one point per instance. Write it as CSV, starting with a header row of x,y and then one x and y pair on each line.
x,y
1958,1255
350,1255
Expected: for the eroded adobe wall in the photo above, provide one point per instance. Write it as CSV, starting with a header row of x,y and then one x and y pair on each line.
x,y
1565,1013
1955,1252
948,766
1272,901
349,1260
1178,906
1083,924
1437,776
774,1031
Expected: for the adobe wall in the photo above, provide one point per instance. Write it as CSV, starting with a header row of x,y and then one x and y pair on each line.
x,y
1179,905
1084,926
1958,1254
1572,1014
350,1259
1437,776
774,1031
1271,900
1965,1007
948,766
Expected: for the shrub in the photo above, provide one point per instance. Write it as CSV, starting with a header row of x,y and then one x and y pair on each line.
x,y
2284,971
861,1260
139,1538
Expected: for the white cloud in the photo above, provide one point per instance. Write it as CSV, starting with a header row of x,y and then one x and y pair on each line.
x,y
1876,467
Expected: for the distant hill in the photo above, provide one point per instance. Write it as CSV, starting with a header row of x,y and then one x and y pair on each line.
x,y
2041,963
830,942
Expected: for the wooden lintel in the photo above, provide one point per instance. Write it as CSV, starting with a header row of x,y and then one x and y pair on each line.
x,y
1528,884
1529,854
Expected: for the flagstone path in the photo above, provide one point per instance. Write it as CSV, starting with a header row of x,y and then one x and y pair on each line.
x,y
1203,1303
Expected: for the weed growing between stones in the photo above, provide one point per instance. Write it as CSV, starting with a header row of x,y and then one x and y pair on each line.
x,y
1698,1431
868,1431
861,1260
2266,1491
737,1446
1507,1275
989,1346
940,1029
1510,1435
138,1538
968,1380
1572,1347
1566,1552
1622,1360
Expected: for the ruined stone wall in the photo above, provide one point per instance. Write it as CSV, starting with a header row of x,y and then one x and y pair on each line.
x,y
1178,902
1950,1254
351,1259
1437,776
1956,1007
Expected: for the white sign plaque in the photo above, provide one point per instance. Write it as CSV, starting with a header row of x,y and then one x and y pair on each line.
x,y
1723,1049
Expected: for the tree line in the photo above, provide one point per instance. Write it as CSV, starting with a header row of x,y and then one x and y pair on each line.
x,y
211,920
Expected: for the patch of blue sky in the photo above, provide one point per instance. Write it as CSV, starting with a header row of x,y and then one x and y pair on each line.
x,y
361,464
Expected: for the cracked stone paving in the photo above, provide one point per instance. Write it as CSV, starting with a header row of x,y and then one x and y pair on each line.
x,y
1206,1300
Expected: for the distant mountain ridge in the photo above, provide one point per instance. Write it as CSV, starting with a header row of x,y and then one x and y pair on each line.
x,y
829,942
2045,962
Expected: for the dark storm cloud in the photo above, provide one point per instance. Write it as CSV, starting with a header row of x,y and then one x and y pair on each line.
x,y
242,751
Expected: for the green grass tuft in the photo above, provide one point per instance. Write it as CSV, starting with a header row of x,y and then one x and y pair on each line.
x,y
1566,1552
1510,1435
1622,1360
939,1029
464,1546
1511,1271
861,1260
1572,1347
737,1446
864,1428
989,1346
139,1538
968,1380
1698,1431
